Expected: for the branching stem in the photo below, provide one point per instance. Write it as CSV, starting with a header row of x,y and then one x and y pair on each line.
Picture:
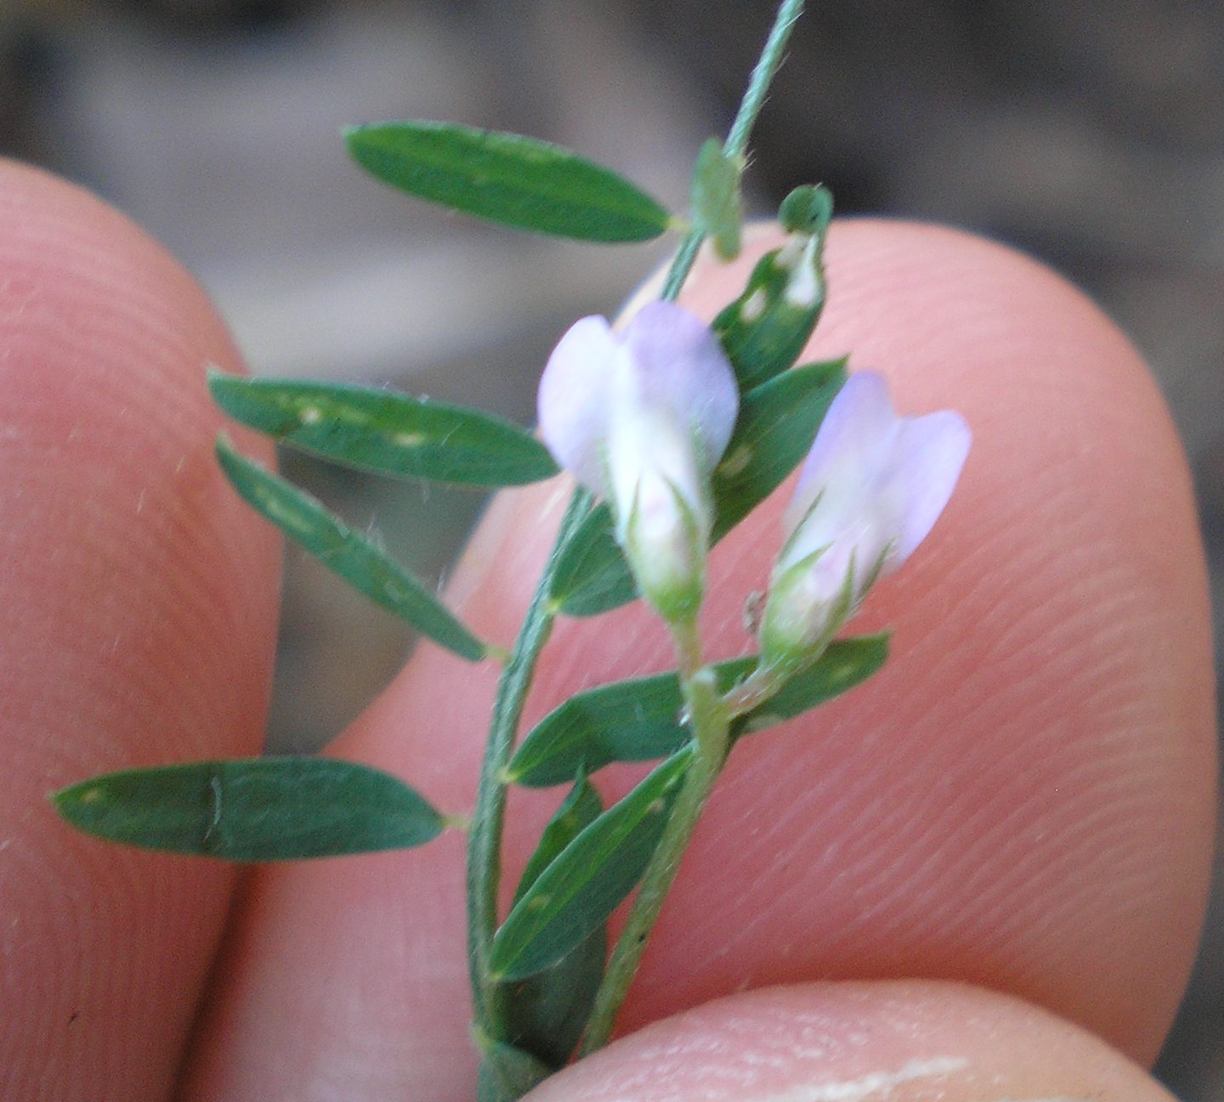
x,y
736,145
708,717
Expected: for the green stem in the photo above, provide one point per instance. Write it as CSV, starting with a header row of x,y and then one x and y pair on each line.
x,y
710,733
686,642
484,842
751,693
772,56
709,721
710,727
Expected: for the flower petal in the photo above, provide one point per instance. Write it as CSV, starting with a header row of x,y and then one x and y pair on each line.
x,y
871,489
666,366
683,369
926,463
641,417
849,451
647,444
574,399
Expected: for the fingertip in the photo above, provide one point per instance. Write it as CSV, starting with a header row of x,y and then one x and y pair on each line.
x,y
139,603
1025,796
849,1042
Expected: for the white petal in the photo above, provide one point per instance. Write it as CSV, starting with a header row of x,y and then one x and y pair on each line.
x,y
648,446
659,395
834,500
926,463
852,446
682,368
872,487
574,399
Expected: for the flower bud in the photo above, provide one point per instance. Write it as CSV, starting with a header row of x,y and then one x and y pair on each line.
x,y
641,417
870,491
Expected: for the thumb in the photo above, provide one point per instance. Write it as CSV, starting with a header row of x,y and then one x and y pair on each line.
x,y
854,1042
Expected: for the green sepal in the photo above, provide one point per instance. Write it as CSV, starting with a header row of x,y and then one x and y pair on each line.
x,y
507,178
387,432
639,720
585,883
546,1012
507,1073
255,809
671,578
366,567
794,632
764,330
777,423
717,209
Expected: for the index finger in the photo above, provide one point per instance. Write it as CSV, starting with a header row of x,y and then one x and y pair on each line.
x,y
1021,799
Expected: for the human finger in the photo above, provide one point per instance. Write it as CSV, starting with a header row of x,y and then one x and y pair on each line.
x,y
139,618
1021,799
900,1040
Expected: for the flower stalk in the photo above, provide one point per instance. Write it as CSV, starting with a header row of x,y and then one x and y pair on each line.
x,y
708,719
710,726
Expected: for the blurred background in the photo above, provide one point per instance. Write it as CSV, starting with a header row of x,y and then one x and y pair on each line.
x,y
1087,132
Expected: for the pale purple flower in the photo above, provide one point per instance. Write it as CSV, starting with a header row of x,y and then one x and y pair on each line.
x,y
641,416
870,490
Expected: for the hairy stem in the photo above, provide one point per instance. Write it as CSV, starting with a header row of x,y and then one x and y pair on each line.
x,y
709,720
484,842
710,726
709,723
772,56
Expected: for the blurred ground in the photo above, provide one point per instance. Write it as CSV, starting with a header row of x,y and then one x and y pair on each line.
x,y
1088,133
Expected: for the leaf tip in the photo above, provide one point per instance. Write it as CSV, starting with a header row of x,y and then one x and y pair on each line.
x,y
496,653
221,384
74,802
62,798
227,455
351,133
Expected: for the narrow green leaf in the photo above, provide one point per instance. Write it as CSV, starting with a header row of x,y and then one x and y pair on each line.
x,y
507,178
577,812
592,575
776,426
765,329
507,1073
258,809
546,1012
635,720
584,884
639,720
844,664
358,561
716,198
387,432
